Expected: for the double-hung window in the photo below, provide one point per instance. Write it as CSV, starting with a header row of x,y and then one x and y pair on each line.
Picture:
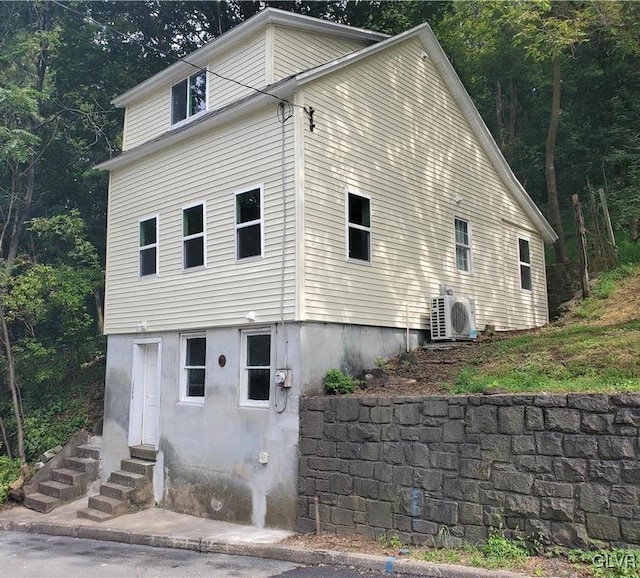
x,y
194,352
193,242
463,245
256,368
358,227
249,223
524,257
148,247
189,97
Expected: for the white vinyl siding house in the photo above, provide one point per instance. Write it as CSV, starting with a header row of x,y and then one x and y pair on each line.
x,y
242,247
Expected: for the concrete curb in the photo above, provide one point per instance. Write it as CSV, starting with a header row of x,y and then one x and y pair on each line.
x,y
363,562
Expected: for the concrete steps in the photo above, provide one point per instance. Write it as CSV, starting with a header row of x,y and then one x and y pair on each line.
x,y
69,482
129,488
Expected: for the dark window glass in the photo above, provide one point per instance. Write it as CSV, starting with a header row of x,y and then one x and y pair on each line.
x,y
197,93
194,252
193,220
248,206
179,102
148,261
358,244
259,350
196,351
258,367
525,277
259,384
148,232
524,251
249,241
359,211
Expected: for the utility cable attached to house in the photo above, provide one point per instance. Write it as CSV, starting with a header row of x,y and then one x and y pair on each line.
x,y
285,112
169,56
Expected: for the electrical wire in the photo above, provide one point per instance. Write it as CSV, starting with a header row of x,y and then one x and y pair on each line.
x,y
169,56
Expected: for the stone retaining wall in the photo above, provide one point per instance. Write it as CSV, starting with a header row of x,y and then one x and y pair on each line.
x,y
564,468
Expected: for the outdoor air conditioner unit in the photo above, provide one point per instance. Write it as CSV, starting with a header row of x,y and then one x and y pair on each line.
x,y
453,318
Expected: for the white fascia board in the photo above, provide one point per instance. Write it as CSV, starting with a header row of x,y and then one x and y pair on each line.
x,y
207,121
200,57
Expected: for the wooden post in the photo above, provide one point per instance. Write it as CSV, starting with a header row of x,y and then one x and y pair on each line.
x,y
582,244
607,220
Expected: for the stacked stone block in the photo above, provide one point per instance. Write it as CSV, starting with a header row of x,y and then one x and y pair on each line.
x,y
563,468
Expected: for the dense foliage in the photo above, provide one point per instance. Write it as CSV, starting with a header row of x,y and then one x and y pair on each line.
x,y
557,83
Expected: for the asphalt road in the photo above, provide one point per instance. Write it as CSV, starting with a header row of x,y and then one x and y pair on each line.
x,y
42,556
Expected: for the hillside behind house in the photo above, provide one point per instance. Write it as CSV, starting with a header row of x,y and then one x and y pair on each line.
x,y
595,347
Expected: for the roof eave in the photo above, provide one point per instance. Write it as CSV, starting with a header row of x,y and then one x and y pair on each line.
x,y
237,34
209,120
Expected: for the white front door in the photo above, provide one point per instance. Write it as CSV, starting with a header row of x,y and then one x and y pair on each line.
x,y
144,417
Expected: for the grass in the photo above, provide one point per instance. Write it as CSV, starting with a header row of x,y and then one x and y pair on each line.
x,y
594,351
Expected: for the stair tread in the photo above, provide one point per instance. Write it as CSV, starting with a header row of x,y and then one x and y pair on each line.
x,y
127,474
107,499
54,484
95,515
68,472
117,486
140,461
41,497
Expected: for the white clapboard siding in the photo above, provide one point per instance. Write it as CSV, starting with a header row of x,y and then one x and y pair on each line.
x,y
150,116
298,50
209,168
147,118
387,127
245,63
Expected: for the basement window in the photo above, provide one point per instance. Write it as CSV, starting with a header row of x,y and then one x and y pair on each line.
x,y
256,370
525,264
189,97
194,352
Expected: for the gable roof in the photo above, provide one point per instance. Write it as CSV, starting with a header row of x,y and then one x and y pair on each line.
x,y
237,34
286,87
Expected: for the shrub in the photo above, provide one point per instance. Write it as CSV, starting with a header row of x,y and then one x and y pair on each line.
x,y
335,381
9,473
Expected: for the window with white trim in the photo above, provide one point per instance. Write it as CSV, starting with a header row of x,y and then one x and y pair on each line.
x,y
463,245
193,245
249,224
256,368
189,97
359,227
194,353
524,258
148,247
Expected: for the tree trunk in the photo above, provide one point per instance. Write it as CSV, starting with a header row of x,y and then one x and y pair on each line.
x,y
499,117
13,388
555,217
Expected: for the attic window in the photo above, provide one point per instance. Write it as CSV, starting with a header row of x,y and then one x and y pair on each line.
x,y
189,97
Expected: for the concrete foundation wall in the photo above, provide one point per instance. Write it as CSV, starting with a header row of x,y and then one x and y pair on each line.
x,y
208,454
563,468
